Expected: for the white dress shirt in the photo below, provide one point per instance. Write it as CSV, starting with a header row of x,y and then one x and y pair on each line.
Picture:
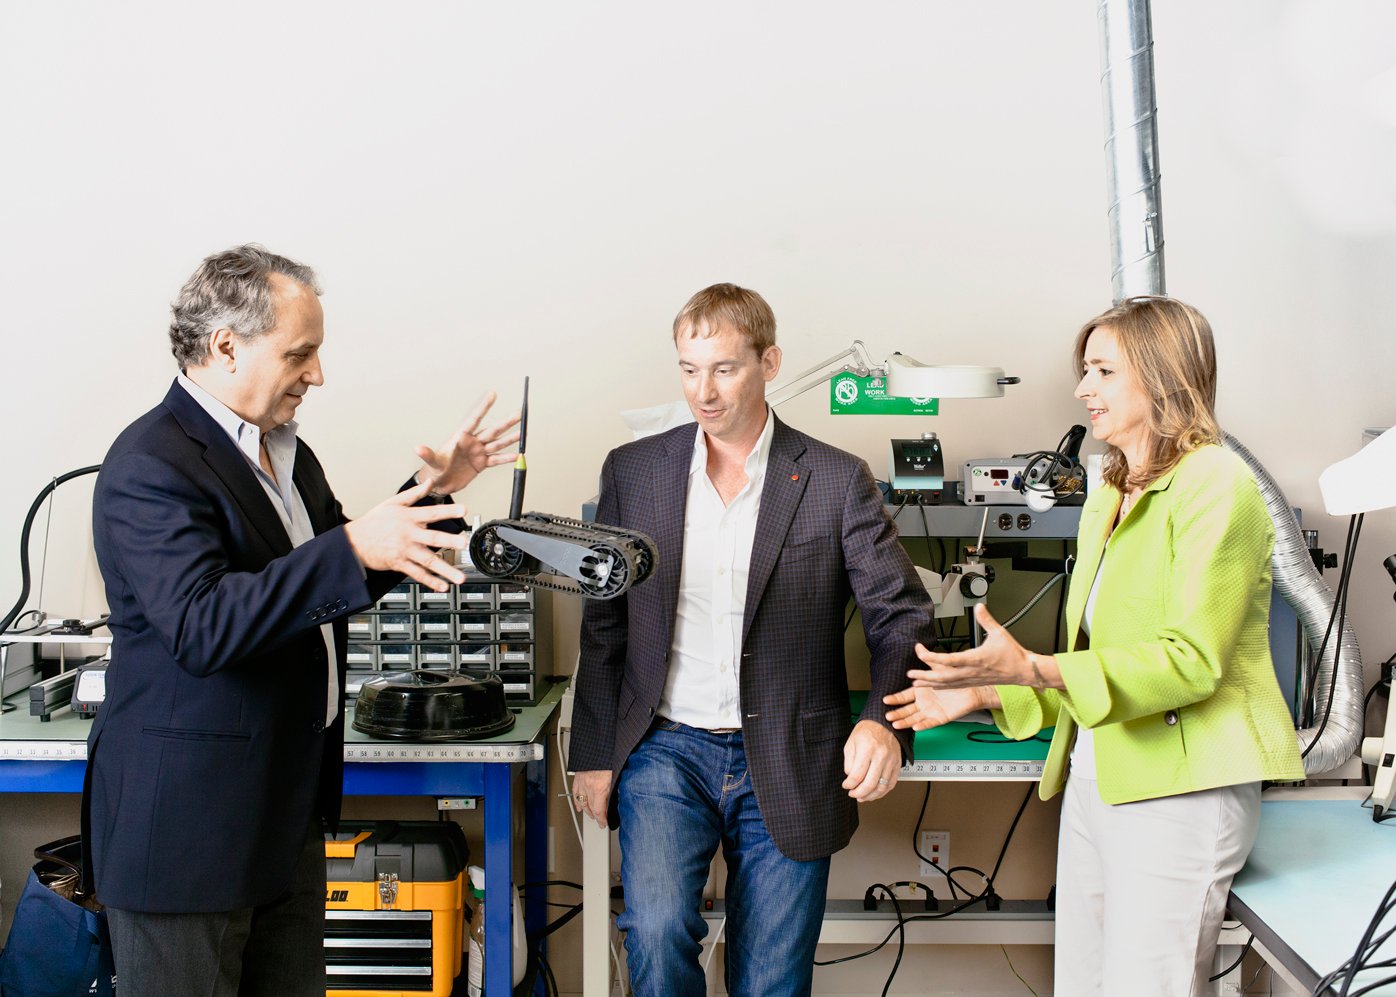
x,y
285,497
703,687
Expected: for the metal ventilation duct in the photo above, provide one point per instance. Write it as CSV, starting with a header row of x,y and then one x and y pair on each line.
x,y
1131,148
1136,254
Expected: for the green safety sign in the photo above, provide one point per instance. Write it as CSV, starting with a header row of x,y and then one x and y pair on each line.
x,y
850,394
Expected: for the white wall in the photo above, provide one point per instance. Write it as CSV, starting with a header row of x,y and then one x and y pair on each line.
x,y
490,191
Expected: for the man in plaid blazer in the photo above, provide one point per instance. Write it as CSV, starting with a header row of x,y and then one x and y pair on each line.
x,y
716,693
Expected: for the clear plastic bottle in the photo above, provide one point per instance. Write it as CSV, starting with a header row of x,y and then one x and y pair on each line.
x,y
475,951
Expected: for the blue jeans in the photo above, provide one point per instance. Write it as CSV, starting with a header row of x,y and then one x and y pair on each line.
x,y
683,793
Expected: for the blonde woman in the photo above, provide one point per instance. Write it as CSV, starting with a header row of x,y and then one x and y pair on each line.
x,y
1166,708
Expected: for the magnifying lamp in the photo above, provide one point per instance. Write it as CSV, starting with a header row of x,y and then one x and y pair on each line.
x,y
908,378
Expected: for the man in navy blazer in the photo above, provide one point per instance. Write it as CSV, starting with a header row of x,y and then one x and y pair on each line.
x,y
217,757
715,695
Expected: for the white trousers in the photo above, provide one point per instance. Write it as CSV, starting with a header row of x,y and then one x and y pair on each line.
x,y
1141,888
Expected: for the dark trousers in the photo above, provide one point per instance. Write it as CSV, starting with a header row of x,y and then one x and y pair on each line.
x,y
275,950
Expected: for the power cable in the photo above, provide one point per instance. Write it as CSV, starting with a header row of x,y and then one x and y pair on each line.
x,y
1239,959
24,577
1339,614
1359,960
987,894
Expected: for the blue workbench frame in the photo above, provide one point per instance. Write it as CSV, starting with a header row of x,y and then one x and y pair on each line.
x,y
491,780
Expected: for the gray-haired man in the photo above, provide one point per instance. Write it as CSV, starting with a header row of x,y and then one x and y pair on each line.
x,y
217,757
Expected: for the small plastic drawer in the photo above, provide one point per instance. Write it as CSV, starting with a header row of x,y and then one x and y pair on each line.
x,y
515,625
436,626
429,601
363,626
514,594
361,657
514,655
396,626
437,656
475,657
475,595
519,687
401,597
475,626
397,657
353,682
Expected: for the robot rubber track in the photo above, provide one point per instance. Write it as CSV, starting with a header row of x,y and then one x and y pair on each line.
x,y
566,555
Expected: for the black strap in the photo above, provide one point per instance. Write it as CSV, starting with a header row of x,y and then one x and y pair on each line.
x,y
65,846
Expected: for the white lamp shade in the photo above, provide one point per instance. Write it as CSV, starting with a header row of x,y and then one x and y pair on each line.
x,y
908,378
1364,482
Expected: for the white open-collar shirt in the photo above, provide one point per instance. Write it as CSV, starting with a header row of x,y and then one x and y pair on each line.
x,y
703,685
282,491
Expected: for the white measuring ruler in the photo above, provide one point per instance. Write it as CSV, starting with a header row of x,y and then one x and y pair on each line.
x,y
61,751
41,751
445,752
983,769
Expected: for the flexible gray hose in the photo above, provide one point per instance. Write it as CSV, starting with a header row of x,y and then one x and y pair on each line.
x,y
1298,581
1059,577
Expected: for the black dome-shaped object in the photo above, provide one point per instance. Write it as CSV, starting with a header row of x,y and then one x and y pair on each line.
x,y
425,705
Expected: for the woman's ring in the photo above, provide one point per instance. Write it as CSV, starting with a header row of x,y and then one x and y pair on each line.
x,y
580,797
882,782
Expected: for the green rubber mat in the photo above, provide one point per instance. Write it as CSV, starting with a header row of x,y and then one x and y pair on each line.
x,y
968,741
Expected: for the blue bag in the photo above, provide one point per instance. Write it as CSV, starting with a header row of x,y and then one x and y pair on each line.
x,y
57,946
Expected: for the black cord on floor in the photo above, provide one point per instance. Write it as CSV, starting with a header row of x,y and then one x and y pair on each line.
x,y
549,981
899,929
1239,959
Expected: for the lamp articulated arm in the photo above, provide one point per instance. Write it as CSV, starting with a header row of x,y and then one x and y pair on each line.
x,y
906,377
854,360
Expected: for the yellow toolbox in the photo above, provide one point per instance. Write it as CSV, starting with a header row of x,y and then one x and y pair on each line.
x,y
394,908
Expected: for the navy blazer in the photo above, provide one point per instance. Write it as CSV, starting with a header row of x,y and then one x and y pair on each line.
x,y
821,535
210,755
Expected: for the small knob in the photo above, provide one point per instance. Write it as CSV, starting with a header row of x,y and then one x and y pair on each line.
x,y
974,586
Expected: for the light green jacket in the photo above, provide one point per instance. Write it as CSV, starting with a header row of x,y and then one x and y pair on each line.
x,y
1176,679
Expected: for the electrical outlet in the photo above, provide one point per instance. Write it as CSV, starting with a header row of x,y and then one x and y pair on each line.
x,y
935,845
456,803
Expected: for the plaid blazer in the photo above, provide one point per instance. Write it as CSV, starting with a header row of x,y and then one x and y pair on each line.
x,y
821,535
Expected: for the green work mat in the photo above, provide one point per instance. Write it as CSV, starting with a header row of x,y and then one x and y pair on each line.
x,y
965,741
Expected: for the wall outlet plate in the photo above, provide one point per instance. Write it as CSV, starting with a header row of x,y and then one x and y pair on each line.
x,y
935,845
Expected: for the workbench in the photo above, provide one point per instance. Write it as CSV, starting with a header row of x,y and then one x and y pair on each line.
x,y
39,757
947,753
1313,880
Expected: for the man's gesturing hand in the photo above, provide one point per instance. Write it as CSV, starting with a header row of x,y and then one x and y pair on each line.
x,y
469,451
393,536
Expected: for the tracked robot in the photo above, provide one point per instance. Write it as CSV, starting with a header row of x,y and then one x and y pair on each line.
x,y
554,552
